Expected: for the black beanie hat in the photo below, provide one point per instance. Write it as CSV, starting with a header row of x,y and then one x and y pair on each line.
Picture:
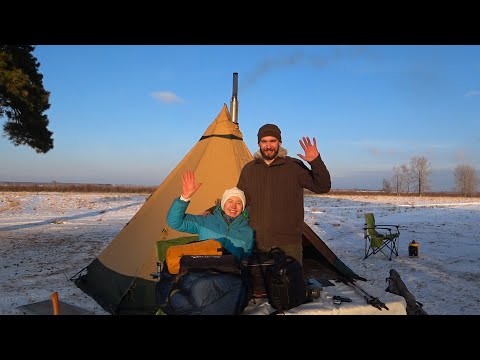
x,y
269,130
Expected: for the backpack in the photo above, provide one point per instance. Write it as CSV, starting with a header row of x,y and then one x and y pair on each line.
x,y
285,282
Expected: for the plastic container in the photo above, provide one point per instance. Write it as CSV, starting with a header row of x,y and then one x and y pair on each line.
x,y
413,249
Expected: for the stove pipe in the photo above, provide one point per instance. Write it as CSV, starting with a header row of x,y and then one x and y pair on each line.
x,y
234,101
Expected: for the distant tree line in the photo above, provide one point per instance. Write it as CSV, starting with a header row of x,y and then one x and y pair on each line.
x,y
148,190
77,188
415,178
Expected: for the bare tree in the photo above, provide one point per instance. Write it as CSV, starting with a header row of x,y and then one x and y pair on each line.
x,y
396,183
387,187
406,178
420,172
401,179
466,179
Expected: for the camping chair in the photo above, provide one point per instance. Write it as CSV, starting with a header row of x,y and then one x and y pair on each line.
x,y
162,246
378,241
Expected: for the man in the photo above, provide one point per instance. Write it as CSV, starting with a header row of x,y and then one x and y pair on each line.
x,y
273,184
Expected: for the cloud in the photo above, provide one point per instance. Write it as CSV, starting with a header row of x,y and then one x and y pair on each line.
x,y
472,93
166,97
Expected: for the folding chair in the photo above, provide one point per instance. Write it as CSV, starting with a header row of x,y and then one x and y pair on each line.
x,y
161,248
376,241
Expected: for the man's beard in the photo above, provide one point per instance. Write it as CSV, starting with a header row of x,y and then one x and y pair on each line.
x,y
269,157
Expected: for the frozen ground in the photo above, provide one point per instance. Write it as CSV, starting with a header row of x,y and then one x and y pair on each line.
x,y
46,238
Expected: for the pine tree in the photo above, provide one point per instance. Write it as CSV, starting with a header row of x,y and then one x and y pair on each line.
x,y
23,99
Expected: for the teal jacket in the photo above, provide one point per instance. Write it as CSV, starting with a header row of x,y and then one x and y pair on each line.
x,y
237,237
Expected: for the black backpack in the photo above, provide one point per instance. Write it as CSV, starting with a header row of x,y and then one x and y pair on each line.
x,y
285,282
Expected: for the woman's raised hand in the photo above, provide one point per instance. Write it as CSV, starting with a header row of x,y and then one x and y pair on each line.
x,y
189,186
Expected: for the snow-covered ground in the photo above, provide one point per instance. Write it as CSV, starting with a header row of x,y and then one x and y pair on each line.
x,y
46,238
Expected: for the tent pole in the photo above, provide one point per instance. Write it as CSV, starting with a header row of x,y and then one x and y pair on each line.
x,y
234,101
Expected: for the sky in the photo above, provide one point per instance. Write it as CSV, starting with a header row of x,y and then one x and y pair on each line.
x,y
128,114
47,238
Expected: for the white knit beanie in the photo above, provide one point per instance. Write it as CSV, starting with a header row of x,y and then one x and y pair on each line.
x,y
233,192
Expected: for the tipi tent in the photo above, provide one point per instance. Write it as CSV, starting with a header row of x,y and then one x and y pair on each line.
x,y
119,278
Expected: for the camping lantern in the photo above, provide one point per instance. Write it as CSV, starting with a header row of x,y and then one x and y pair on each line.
x,y
413,249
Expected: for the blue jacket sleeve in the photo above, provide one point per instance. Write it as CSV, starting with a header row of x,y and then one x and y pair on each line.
x,y
238,252
178,220
248,235
248,250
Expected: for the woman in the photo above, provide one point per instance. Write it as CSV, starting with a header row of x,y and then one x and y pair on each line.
x,y
228,224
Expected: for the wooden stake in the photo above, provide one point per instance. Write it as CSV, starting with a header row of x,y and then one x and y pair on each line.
x,y
55,304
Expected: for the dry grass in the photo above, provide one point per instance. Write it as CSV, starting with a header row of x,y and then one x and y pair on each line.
x,y
9,204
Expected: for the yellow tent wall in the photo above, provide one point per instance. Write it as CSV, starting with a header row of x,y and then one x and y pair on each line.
x,y
126,264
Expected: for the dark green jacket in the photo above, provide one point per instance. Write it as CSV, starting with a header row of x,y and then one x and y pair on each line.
x,y
275,196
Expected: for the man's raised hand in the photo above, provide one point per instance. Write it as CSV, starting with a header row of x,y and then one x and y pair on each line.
x,y
311,151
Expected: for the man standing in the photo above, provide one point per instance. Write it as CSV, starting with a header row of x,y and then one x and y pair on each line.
x,y
273,184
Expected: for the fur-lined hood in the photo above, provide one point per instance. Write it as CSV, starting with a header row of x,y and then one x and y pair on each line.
x,y
282,152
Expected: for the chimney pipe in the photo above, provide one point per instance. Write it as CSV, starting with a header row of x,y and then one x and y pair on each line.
x,y
234,101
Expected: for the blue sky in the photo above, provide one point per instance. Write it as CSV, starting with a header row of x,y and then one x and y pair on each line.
x,y
129,114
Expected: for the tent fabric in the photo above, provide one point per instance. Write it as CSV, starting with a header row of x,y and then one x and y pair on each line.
x,y
119,279
116,293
